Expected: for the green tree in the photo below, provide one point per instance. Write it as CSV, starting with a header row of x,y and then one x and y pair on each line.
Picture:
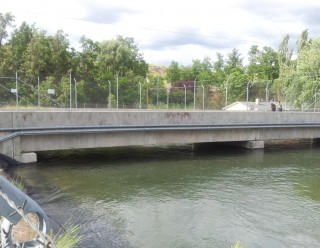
x,y
19,41
234,61
6,21
303,40
262,69
87,59
307,75
60,61
254,62
237,76
286,70
219,74
203,70
37,56
173,72
121,55
186,73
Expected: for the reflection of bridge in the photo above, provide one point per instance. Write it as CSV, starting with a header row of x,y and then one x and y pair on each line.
x,y
24,132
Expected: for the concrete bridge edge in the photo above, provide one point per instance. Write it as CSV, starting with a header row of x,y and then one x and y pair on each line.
x,y
11,148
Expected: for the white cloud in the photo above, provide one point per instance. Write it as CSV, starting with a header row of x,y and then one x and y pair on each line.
x,y
173,30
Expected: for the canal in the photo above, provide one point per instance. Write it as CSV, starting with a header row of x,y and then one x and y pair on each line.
x,y
183,196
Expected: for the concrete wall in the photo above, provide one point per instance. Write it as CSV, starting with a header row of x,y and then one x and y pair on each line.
x,y
16,121
23,119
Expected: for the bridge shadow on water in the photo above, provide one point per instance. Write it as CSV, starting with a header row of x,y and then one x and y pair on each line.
x,y
122,155
139,153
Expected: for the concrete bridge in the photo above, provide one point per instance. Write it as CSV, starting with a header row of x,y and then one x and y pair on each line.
x,y
25,132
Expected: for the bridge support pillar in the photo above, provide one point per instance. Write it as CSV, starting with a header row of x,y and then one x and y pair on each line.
x,y
25,158
11,148
252,144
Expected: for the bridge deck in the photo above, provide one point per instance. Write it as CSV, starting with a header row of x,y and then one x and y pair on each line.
x,y
31,131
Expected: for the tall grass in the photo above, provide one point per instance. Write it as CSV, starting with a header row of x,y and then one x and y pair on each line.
x,y
237,245
69,239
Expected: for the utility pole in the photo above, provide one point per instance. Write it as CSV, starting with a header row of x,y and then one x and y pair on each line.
x,y
109,98
147,93
158,92
118,90
70,93
38,92
17,96
248,94
202,97
75,92
185,96
226,104
194,93
140,95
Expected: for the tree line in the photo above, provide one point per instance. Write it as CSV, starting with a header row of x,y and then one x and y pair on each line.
x,y
118,64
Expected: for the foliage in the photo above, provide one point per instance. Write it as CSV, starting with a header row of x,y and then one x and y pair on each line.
x,y
69,239
18,183
100,68
35,54
237,245
5,21
298,81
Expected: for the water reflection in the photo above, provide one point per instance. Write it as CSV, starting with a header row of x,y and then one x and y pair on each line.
x,y
185,196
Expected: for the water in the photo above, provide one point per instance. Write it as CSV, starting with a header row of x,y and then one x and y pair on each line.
x,y
183,196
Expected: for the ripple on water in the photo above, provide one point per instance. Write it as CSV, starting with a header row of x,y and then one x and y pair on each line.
x,y
186,198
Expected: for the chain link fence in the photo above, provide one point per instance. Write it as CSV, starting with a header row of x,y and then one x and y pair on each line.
x,y
16,93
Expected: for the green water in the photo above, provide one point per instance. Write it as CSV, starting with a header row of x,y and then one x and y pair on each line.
x,y
184,196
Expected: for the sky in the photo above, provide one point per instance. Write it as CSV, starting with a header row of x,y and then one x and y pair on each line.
x,y
180,31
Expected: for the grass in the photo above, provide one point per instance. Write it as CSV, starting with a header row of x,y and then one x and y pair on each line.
x,y
237,245
19,184
69,239
15,181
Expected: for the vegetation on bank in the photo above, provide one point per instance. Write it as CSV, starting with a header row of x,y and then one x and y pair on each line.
x,y
68,239
94,72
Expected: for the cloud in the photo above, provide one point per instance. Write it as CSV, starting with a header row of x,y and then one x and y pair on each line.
x,y
182,38
107,14
311,18
169,30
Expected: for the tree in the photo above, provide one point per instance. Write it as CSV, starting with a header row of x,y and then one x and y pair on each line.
x,y
286,69
121,55
19,41
173,72
186,73
219,74
262,69
303,40
284,53
307,75
87,58
234,61
37,56
254,62
60,61
237,76
203,70
6,21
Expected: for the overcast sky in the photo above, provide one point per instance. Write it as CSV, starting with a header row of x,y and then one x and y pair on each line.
x,y
179,31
